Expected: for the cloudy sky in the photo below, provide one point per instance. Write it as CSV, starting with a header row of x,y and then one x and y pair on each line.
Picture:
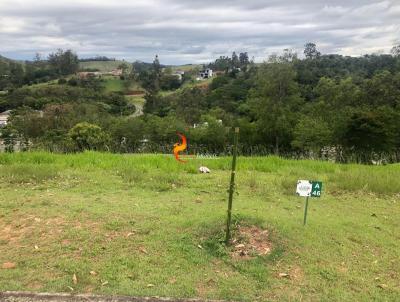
x,y
193,31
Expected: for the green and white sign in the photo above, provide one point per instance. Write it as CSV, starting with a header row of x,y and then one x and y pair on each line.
x,y
316,188
307,188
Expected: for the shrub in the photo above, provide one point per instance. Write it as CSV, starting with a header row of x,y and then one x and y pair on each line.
x,y
88,136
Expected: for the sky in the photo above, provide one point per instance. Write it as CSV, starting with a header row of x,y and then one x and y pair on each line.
x,y
196,31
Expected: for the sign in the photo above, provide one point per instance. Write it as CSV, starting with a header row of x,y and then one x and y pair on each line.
x,y
308,189
316,188
304,188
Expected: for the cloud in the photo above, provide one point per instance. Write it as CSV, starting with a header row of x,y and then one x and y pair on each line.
x,y
189,31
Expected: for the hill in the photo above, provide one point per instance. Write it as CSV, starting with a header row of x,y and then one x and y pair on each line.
x,y
103,66
8,60
4,59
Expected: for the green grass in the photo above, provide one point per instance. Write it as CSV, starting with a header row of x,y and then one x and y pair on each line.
x,y
113,84
186,68
150,226
103,66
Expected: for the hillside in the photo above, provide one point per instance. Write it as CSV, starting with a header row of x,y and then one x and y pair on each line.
x,y
103,66
8,60
4,59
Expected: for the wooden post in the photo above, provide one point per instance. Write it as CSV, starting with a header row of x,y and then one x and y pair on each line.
x,y
232,187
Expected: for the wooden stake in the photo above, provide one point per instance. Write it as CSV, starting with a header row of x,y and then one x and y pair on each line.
x,y
232,187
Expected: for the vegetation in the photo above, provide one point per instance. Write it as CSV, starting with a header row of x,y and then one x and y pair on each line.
x,y
100,65
322,106
147,225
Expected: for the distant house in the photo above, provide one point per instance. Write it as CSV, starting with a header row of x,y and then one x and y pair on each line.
x,y
205,124
4,118
116,72
88,74
179,74
206,74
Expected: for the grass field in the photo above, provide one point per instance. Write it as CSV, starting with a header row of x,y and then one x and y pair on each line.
x,y
103,66
147,225
113,84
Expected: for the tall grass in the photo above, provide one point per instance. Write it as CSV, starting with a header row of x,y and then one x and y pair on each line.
x,y
163,169
28,173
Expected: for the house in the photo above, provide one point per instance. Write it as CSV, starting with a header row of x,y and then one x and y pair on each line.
x,y
205,124
89,74
116,72
179,74
206,74
4,118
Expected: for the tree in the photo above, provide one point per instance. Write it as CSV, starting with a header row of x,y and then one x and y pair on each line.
x,y
395,51
275,100
88,136
169,82
128,133
156,74
150,77
223,63
372,131
310,51
119,104
156,66
64,62
244,59
124,67
289,55
16,74
190,105
311,134
235,60
156,104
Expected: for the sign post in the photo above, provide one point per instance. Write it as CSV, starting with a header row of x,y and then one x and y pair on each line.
x,y
306,188
305,212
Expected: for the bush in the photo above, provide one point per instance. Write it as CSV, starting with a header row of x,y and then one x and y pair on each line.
x,y
88,136
62,81
73,82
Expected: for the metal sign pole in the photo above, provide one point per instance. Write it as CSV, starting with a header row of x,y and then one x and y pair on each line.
x,y
305,212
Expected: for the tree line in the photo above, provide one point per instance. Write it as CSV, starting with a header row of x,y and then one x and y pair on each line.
x,y
318,106
15,74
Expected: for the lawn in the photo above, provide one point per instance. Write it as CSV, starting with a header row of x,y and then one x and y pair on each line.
x,y
113,84
147,225
103,66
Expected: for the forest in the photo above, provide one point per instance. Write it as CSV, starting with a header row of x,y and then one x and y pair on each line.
x,y
325,106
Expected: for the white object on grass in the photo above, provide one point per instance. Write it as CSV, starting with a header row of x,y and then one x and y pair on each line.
x,y
204,170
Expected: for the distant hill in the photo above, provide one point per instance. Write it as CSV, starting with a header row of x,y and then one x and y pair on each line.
x,y
103,66
4,59
186,67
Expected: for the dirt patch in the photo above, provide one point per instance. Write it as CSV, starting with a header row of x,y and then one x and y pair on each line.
x,y
249,242
40,229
